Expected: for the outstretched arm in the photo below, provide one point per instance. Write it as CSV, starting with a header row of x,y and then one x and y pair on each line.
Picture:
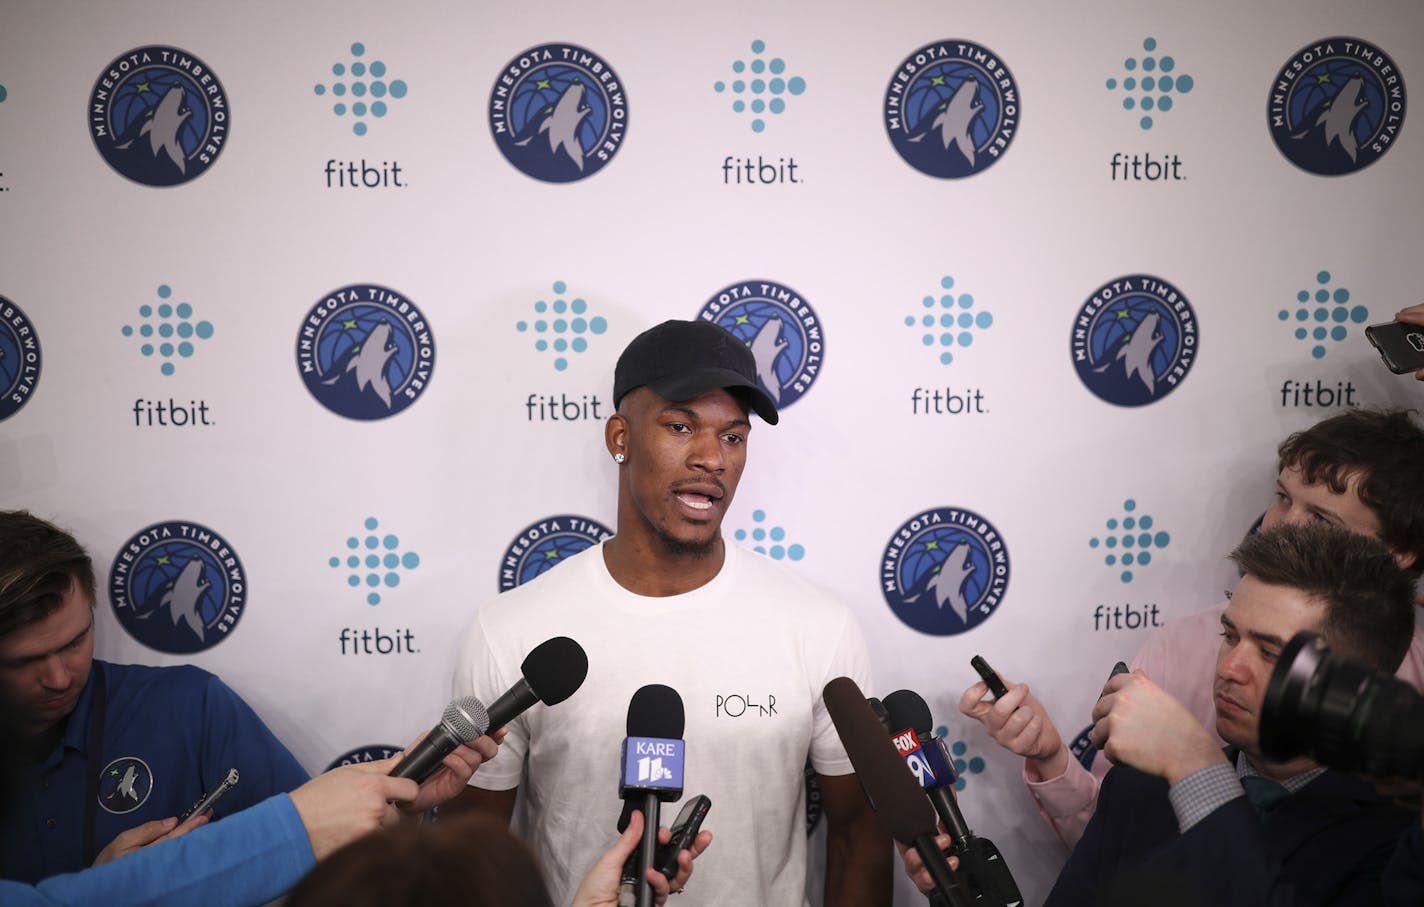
x,y
858,857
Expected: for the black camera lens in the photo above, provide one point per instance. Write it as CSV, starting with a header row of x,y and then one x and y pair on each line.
x,y
1342,713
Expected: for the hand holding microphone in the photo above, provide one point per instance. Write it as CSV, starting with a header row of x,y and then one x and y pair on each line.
x,y
551,673
652,771
889,786
981,866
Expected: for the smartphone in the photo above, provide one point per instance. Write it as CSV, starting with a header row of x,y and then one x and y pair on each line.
x,y
1400,345
206,801
684,832
1119,668
996,684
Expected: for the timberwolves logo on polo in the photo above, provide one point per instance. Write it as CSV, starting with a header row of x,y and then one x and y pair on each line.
x,y
945,571
124,785
1336,106
542,546
158,115
1134,340
952,108
178,587
782,330
365,352
19,359
558,113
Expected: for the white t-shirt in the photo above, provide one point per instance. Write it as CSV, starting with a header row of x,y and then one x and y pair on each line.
x,y
749,652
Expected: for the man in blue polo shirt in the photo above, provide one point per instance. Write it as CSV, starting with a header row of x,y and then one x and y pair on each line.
x,y
114,752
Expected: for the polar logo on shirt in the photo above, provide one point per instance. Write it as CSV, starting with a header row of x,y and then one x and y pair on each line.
x,y
125,784
737,705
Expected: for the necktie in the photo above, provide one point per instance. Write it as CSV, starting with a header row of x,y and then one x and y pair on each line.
x,y
1263,793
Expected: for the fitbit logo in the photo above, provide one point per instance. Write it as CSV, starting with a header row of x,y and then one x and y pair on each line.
x,y
736,705
1149,84
376,642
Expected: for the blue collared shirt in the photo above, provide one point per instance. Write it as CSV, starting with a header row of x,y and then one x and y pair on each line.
x,y
169,734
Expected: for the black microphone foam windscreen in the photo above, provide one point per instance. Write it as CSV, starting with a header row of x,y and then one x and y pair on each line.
x,y
656,711
908,710
892,790
555,669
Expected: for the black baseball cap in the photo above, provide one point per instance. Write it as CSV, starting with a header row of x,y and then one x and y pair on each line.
x,y
680,360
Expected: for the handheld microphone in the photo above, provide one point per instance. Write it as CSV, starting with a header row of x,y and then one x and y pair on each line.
x,y
552,672
892,791
878,708
464,719
980,863
908,710
651,774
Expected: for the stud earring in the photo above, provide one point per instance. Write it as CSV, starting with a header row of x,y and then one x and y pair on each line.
x,y
619,458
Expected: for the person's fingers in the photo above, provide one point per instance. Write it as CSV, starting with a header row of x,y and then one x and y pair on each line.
x,y
971,703
1028,736
189,824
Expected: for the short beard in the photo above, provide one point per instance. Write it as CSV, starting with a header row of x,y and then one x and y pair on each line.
x,y
675,547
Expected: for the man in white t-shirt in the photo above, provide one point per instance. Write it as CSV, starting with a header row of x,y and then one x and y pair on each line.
x,y
747,644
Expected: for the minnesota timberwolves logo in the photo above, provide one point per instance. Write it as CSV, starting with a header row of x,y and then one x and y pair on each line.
x,y
944,571
782,330
159,115
19,359
1134,340
558,112
952,108
178,587
365,352
124,785
542,546
1336,106
373,753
